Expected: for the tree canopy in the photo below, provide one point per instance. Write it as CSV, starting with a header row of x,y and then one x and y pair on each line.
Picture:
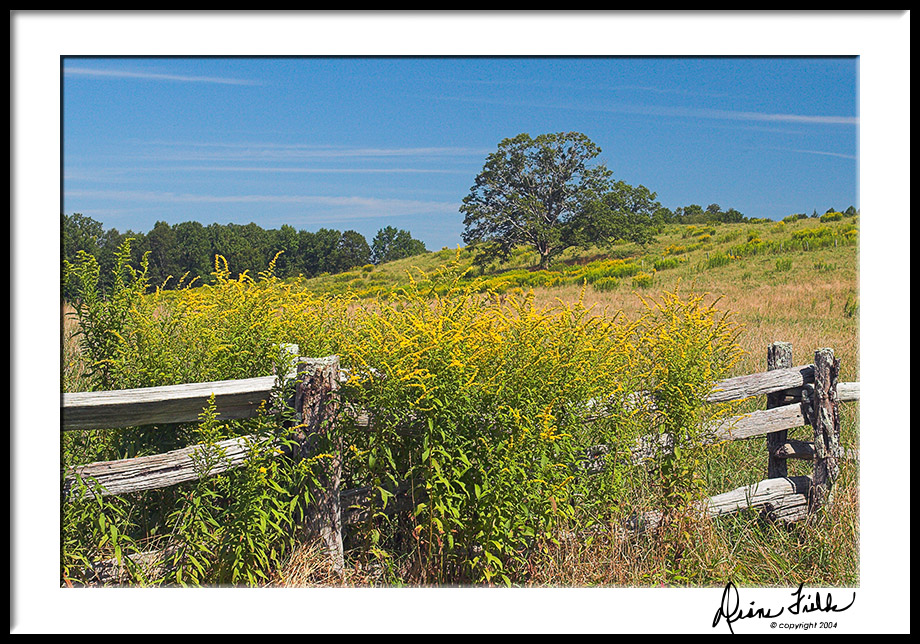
x,y
533,191
391,243
545,193
623,212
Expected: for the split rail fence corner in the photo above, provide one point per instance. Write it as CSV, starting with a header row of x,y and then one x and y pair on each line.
x,y
797,396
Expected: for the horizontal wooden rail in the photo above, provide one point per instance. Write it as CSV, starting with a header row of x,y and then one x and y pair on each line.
x,y
159,470
785,497
183,403
168,404
768,382
758,384
762,421
781,498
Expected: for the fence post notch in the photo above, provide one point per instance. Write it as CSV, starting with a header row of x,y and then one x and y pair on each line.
x,y
779,356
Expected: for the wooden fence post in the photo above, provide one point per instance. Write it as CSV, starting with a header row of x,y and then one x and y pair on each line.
x,y
825,421
316,403
779,356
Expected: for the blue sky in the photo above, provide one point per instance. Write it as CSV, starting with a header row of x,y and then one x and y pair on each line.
x,y
364,142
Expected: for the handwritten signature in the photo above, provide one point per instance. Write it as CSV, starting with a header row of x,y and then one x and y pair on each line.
x,y
802,603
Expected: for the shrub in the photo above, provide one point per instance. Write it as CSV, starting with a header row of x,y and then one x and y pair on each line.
x,y
718,259
643,280
228,529
665,263
615,268
493,390
729,237
606,284
704,233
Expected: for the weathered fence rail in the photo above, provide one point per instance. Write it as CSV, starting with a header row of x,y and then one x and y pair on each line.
x,y
796,397
170,404
159,470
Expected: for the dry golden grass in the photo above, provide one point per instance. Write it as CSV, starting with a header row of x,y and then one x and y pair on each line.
x,y
310,566
809,315
73,368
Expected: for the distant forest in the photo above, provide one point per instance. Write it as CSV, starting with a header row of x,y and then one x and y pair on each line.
x,y
190,247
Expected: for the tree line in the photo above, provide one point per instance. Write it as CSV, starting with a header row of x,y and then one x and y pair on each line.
x,y
189,248
548,194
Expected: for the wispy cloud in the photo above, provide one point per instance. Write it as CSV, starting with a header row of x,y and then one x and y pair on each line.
x,y
359,206
734,127
819,152
129,174
761,116
298,170
260,151
727,115
668,90
670,111
592,87
152,76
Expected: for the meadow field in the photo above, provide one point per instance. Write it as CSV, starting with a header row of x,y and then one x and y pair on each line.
x,y
495,503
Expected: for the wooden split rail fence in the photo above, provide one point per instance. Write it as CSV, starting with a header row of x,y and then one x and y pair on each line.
x,y
797,396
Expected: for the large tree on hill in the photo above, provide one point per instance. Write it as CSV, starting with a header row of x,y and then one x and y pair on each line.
x,y
534,192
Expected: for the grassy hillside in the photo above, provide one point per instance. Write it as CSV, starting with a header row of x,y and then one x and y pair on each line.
x,y
795,282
